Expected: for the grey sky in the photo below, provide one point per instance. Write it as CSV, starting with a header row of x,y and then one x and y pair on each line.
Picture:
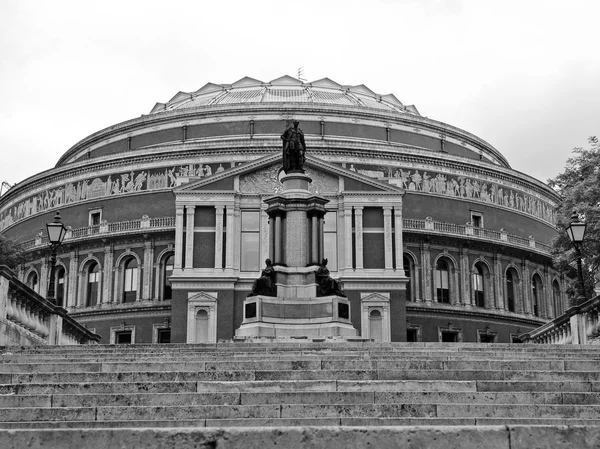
x,y
522,75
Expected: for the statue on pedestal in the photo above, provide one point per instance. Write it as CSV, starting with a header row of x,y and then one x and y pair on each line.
x,y
326,284
265,284
293,149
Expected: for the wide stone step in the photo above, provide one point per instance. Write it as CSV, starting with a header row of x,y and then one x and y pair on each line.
x,y
434,437
322,397
324,375
291,411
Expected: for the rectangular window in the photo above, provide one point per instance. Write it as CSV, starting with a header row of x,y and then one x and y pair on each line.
x,y
442,286
250,241
123,338
478,287
477,222
449,337
330,240
164,335
131,279
95,217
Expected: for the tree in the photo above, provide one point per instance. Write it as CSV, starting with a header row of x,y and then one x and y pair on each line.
x,y
579,187
11,253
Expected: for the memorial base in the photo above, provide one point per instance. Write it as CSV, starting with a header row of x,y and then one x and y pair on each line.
x,y
267,316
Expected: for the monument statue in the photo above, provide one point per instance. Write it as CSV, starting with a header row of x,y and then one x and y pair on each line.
x,y
326,284
265,284
293,149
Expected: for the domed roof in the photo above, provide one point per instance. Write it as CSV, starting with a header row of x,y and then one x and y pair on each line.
x,y
285,90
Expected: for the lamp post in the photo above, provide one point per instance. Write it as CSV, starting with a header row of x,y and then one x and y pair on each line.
x,y
575,231
56,235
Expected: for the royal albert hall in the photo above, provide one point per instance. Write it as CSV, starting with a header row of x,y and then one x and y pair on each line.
x,y
432,234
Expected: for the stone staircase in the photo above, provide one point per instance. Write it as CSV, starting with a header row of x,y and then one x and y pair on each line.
x,y
262,394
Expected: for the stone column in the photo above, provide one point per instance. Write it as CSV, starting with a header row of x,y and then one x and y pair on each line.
x,y
189,236
230,238
398,227
177,263
358,236
547,301
465,290
219,236
266,233
426,270
314,239
148,268
498,290
387,238
45,277
348,237
525,287
108,272
321,231
73,274
277,240
272,234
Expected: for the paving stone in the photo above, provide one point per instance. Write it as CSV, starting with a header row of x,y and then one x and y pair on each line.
x,y
518,411
187,412
47,414
149,366
484,385
267,386
316,375
144,399
308,398
357,410
49,367
265,365
522,437
405,385
434,397
13,400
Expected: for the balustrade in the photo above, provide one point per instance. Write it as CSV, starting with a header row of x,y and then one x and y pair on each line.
x,y
28,319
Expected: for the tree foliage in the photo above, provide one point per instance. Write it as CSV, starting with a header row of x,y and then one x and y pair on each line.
x,y
579,186
10,252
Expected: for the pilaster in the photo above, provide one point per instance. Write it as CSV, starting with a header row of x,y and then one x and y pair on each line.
x,y
231,233
348,237
73,274
465,279
189,236
177,263
148,271
219,236
398,228
358,236
498,290
387,238
426,270
44,277
108,272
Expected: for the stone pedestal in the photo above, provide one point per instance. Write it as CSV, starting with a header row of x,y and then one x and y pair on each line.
x,y
267,316
296,219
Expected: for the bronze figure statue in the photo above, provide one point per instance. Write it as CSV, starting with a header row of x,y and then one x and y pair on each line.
x,y
265,284
326,284
293,149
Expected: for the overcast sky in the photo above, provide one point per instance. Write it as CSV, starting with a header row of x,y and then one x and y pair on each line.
x,y
522,75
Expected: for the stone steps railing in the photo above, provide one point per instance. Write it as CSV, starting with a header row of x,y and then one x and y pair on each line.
x,y
580,324
28,319
472,232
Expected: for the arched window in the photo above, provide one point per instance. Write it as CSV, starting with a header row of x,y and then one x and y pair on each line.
x,y
536,292
556,299
59,283
130,280
478,286
167,272
510,290
32,282
408,272
442,282
93,278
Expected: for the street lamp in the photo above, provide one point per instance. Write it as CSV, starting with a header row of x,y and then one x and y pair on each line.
x,y
575,231
56,235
